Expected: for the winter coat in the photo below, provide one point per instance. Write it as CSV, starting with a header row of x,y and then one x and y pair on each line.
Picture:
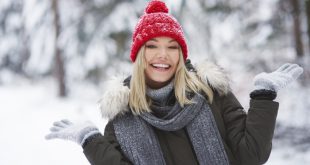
x,y
247,137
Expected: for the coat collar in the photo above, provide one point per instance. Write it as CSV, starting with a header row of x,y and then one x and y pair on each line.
x,y
115,99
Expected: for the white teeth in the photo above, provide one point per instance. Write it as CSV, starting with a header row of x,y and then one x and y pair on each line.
x,y
161,65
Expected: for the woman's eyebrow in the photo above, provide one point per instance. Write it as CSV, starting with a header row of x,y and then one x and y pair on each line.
x,y
153,39
172,41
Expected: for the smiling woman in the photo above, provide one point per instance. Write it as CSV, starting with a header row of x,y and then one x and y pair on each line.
x,y
162,58
169,112
160,62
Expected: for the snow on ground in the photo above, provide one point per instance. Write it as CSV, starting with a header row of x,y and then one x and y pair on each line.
x,y
288,155
28,110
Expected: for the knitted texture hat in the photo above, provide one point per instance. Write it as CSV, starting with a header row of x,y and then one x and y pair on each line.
x,y
156,22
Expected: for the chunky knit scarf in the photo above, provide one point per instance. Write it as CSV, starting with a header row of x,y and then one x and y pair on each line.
x,y
140,144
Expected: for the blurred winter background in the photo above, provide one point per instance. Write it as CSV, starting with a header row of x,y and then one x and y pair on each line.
x,y
56,54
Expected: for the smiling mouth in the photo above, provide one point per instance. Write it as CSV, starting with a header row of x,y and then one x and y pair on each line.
x,y
161,66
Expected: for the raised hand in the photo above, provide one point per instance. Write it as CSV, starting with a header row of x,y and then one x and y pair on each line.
x,y
278,79
77,132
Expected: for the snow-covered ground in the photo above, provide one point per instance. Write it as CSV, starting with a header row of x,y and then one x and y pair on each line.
x,y
28,110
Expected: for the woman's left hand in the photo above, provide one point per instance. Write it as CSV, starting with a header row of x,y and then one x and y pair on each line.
x,y
278,79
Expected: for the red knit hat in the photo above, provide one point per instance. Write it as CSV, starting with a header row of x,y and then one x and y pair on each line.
x,y
156,22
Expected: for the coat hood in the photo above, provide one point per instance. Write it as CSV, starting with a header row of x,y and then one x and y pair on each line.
x,y
115,99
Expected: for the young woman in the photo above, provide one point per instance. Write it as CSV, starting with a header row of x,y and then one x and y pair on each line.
x,y
169,112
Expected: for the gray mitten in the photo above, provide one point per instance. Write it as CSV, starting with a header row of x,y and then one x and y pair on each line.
x,y
67,130
278,79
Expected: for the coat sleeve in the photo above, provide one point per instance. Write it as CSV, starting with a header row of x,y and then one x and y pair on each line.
x,y
249,136
105,149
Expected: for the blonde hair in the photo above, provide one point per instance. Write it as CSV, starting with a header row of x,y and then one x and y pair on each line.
x,y
184,81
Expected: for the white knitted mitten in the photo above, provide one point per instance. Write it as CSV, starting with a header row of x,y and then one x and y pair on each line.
x,y
77,132
278,79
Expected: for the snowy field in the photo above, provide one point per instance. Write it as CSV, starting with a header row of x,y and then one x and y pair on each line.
x,y
28,109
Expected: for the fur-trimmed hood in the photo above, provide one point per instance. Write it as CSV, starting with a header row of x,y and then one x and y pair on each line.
x,y
116,97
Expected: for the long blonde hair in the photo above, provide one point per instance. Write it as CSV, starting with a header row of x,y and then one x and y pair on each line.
x,y
184,81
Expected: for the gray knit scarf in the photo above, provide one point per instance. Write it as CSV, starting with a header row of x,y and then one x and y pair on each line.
x,y
139,142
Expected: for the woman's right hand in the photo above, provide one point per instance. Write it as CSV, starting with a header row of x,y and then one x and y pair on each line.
x,y
77,132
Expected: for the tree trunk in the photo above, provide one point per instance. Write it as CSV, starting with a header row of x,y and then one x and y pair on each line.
x,y
297,28
59,62
307,2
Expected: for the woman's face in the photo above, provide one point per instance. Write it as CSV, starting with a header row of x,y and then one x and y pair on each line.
x,y
162,58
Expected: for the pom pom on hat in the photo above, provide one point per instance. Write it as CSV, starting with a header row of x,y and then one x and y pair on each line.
x,y
156,6
156,22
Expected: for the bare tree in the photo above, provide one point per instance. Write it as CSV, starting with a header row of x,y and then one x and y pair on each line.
x,y
297,28
307,4
59,61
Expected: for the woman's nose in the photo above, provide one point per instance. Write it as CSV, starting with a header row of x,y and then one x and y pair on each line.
x,y
163,53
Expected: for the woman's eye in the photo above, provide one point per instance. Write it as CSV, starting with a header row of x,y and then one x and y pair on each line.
x,y
173,47
150,46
